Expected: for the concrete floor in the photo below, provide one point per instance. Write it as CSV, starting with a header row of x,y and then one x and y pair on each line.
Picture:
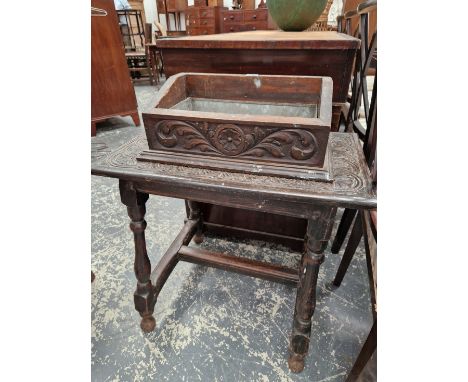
x,y
211,325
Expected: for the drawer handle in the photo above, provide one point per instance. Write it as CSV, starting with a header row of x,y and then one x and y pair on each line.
x,y
203,13
254,28
205,32
205,22
254,16
231,17
231,29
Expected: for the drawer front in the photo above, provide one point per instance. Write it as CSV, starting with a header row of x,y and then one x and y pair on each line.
x,y
257,15
191,22
256,26
192,31
191,12
198,22
232,16
206,13
232,27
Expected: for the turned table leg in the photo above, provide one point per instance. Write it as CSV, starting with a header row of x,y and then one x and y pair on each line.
x,y
143,296
318,232
195,214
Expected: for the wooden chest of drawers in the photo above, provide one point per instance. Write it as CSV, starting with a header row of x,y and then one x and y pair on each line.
x,y
244,20
203,20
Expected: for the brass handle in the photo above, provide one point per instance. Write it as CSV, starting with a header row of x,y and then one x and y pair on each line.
x,y
254,16
204,22
204,14
231,29
231,17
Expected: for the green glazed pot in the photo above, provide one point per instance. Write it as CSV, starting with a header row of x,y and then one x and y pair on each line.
x,y
295,15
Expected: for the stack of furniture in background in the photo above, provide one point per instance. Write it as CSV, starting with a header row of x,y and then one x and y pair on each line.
x,y
136,37
348,22
210,17
112,92
201,20
174,8
138,5
245,20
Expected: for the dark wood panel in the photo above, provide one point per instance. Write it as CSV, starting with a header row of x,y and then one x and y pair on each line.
x,y
328,63
277,224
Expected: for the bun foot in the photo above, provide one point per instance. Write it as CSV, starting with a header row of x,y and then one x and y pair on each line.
x,y
148,324
198,238
295,363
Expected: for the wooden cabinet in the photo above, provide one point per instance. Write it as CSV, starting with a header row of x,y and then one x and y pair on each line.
x,y
203,20
212,20
112,92
244,20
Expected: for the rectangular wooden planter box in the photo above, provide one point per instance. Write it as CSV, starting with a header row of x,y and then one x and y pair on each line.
x,y
262,124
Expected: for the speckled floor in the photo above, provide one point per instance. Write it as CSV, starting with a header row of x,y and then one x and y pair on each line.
x,y
211,325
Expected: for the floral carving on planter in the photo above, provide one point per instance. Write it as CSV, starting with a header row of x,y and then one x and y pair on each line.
x,y
229,139
236,140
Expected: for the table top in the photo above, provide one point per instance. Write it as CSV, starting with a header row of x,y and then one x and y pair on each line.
x,y
267,39
351,186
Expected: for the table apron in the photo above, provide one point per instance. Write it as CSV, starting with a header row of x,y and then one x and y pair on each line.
x,y
244,199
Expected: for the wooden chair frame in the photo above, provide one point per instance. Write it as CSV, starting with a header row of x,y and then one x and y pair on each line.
x,y
137,53
365,222
365,55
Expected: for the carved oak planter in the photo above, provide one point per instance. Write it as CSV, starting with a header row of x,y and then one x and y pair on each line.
x,y
271,125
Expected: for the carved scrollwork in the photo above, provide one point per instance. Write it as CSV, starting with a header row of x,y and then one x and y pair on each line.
x,y
233,140
168,133
301,144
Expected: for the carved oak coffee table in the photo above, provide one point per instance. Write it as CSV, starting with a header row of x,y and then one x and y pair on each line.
x,y
312,200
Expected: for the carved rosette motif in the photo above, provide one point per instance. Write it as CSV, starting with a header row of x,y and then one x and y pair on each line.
x,y
231,140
